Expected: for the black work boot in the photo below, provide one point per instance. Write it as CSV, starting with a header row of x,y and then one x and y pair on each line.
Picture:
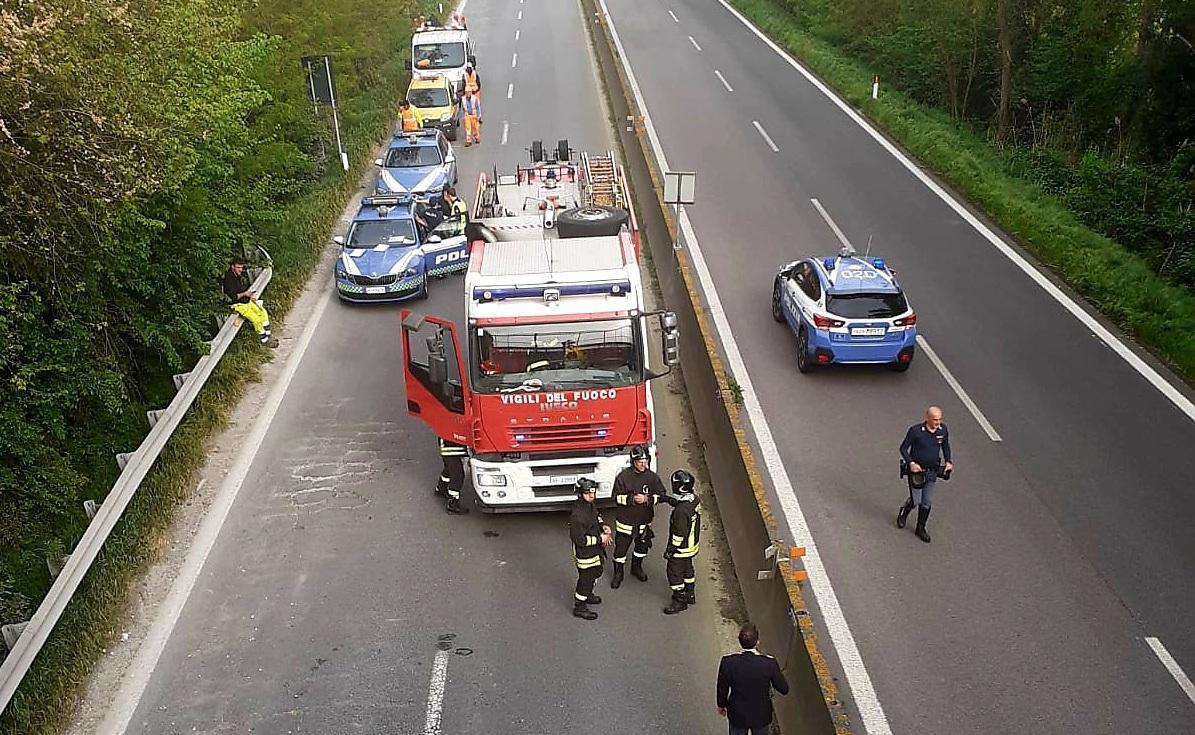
x,y
455,508
637,569
593,600
616,580
678,603
691,593
581,610
922,516
902,515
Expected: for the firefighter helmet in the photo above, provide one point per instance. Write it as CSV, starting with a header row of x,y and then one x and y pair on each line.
x,y
585,485
682,482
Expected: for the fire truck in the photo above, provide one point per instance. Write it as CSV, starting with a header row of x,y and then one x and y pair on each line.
x,y
549,379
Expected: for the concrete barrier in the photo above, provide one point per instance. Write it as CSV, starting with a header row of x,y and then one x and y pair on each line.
x,y
769,578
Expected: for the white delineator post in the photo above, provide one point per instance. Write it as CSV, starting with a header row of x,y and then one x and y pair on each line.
x,y
875,87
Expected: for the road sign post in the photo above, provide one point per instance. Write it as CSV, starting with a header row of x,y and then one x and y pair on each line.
x,y
679,190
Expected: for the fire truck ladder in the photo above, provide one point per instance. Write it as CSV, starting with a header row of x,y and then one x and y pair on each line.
x,y
604,186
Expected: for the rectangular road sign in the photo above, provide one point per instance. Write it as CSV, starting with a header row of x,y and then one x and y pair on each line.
x,y
679,187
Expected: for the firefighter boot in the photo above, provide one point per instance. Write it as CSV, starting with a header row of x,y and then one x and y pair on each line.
x,y
902,515
581,610
593,600
455,508
678,603
691,593
616,581
922,516
637,569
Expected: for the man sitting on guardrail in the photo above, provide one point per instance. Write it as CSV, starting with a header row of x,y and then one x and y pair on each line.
x,y
244,302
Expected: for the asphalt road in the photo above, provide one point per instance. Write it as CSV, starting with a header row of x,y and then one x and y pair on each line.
x,y
338,577
1057,550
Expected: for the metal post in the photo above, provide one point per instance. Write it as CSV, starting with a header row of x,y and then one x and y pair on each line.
x,y
344,158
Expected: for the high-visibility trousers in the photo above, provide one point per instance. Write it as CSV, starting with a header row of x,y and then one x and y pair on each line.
x,y
472,129
255,314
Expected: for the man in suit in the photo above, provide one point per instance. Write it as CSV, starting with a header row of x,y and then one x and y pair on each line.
x,y
745,683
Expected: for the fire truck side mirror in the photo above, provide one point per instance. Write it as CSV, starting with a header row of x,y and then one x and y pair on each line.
x,y
437,369
671,339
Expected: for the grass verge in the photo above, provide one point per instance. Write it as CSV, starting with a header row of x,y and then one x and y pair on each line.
x,y
1121,285
48,695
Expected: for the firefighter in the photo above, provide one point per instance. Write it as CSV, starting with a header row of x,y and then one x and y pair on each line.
x,y
410,117
452,477
684,536
590,535
471,109
637,489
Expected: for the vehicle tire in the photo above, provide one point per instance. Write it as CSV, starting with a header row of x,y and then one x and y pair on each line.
x,y
591,221
422,295
804,364
900,367
562,150
537,151
777,309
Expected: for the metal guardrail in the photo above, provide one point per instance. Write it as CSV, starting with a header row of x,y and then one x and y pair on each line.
x,y
32,635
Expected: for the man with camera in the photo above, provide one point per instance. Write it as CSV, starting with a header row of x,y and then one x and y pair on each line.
x,y
925,456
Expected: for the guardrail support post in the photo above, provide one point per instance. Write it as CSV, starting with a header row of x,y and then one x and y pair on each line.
x,y
180,379
12,632
769,553
153,416
90,507
55,567
122,460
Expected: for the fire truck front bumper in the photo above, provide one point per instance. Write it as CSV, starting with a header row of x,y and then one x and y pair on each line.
x,y
541,484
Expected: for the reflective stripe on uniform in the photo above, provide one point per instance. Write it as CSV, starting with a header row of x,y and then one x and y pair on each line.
x,y
676,587
639,555
677,541
580,598
622,499
623,528
588,562
690,580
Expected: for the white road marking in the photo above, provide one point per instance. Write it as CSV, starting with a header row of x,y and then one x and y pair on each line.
x,y
859,681
694,42
767,138
723,80
674,18
435,694
136,679
1184,681
1118,346
514,60
519,16
505,131
832,224
510,90
958,390
517,35
956,386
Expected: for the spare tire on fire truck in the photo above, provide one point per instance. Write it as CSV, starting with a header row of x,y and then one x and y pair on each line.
x,y
591,221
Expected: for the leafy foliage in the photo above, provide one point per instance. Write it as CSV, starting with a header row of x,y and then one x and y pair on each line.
x,y
142,143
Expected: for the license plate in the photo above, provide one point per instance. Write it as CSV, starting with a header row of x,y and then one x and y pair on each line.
x,y
867,332
375,289
564,479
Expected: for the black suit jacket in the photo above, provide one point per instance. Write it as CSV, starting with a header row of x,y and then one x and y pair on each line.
x,y
745,681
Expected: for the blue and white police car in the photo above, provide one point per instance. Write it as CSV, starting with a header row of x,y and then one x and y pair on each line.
x,y
418,163
846,309
385,258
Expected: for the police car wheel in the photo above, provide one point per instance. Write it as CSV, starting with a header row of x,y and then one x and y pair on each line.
x,y
777,310
804,364
423,294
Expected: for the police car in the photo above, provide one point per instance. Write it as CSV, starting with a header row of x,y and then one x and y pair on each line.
x,y
419,163
384,258
846,309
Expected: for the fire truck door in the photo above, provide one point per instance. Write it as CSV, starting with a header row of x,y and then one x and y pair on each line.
x,y
435,376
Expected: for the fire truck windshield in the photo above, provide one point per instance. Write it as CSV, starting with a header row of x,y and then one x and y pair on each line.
x,y
531,357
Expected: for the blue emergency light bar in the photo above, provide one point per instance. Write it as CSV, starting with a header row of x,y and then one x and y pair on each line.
x,y
386,200
551,293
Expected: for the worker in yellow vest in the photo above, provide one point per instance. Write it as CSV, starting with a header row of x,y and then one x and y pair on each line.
x,y
410,117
